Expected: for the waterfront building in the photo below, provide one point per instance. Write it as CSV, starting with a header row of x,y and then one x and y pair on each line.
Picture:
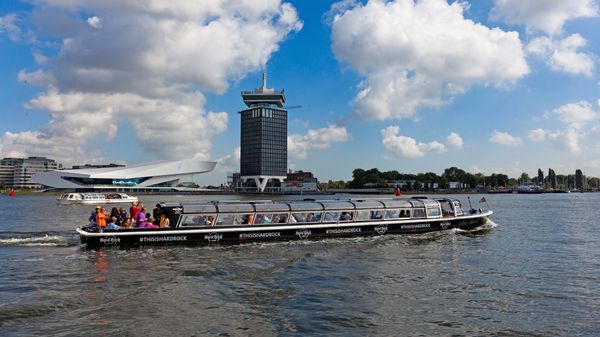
x,y
263,138
17,172
162,176
299,181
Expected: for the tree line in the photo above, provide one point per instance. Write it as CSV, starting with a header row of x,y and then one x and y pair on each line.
x,y
430,180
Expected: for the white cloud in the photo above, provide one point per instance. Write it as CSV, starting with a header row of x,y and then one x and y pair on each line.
x,y
38,77
168,128
578,131
406,146
576,115
563,55
454,140
542,15
299,145
537,135
95,22
8,26
505,138
144,66
418,54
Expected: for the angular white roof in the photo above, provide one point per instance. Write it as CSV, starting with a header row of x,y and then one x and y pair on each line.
x,y
153,173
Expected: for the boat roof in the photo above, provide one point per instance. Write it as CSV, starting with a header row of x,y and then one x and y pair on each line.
x,y
308,205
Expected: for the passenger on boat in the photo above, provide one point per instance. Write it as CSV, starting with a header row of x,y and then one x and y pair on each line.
x,y
134,210
156,212
122,216
112,223
142,221
266,220
346,216
126,223
101,218
310,217
93,214
210,221
164,221
115,212
248,219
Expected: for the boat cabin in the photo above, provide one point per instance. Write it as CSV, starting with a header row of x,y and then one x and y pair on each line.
x,y
236,213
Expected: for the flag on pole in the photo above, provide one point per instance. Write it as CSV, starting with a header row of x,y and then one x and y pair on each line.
x,y
482,200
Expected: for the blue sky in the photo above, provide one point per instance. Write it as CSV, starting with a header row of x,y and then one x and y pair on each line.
x,y
489,86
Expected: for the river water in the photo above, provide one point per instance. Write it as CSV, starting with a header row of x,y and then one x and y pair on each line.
x,y
534,272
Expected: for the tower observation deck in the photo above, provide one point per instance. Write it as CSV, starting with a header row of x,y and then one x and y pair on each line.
x,y
263,139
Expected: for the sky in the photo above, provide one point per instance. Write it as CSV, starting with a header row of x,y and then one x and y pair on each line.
x,y
491,86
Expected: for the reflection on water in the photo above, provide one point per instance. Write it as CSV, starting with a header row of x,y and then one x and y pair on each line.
x,y
533,270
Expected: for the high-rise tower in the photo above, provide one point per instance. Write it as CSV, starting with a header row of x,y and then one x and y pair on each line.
x,y
263,137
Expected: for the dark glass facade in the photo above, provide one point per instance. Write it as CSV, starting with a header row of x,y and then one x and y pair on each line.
x,y
263,141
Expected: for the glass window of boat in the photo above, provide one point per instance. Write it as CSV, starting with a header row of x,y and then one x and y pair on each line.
x,y
447,208
305,206
392,214
418,213
458,208
363,215
270,218
404,213
198,220
331,216
305,217
369,215
346,216
236,208
433,211
338,205
367,204
396,203
232,219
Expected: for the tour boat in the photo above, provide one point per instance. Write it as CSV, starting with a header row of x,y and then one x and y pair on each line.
x,y
95,198
251,221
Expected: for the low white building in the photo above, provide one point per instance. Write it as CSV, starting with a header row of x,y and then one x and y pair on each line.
x,y
162,175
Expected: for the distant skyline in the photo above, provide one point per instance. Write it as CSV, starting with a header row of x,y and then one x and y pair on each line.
x,y
505,86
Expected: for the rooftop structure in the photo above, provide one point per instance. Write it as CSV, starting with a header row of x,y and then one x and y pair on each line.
x,y
17,172
162,175
263,138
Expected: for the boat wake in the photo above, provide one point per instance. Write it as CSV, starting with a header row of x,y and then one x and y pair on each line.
x,y
486,227
35,240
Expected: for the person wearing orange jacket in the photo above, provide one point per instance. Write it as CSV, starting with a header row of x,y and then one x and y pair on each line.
x,y
101,218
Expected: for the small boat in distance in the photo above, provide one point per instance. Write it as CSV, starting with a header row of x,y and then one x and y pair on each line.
x,y
252,221
95,198
529,189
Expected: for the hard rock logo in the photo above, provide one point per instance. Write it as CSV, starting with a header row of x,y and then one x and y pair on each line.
x,y
445,224
213,237
303,233
110,240
381,229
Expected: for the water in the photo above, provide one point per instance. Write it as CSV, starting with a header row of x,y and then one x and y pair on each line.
x,y
537,273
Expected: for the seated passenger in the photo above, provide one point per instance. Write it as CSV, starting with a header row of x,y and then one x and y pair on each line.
x,y
126,223
210,221
248,219
346,216
266,220
112,223
310,217
164,221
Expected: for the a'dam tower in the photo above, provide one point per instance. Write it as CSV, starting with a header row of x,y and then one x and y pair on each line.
x,y
263,136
